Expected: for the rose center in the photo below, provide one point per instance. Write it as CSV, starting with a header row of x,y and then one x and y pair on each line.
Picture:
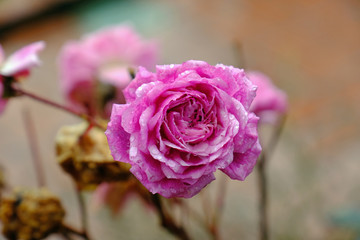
x,y
190,122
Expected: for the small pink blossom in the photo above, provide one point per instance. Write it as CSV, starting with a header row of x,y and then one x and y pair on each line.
x,y
17,65
184,122
270,101
95,70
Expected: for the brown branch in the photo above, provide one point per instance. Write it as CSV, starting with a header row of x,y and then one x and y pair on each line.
x,y
33,141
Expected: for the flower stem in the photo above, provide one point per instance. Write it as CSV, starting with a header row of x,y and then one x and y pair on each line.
x,y
33,141
167,221
22,92
262,179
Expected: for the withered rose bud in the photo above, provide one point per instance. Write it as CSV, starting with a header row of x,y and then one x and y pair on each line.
x,y
85,155
31,214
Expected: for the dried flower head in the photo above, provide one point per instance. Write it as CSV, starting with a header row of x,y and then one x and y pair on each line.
x,y
31,214
84,154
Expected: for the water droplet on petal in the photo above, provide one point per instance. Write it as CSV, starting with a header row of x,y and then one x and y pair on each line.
x,y
133,151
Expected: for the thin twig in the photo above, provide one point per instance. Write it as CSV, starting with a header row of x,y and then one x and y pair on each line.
x,y
206,207
22,92
33,141
70,230
214,227
275,137
83,212
239,54
262,179
263,221
167,221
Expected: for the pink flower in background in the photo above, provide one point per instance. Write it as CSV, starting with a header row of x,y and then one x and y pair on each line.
x,y
18,65
184,122
270,101
95,70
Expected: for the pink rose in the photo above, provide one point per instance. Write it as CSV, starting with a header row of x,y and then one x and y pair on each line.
x,y
95,70
270,101
184,122
17,65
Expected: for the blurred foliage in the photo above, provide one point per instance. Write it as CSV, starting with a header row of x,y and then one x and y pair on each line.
x,y
348,219
145,16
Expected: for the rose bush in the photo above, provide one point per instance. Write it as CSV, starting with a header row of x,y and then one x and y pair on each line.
x,y
270,101
184,122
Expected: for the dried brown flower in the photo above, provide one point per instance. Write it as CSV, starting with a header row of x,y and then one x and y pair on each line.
x,y
31,214
84,154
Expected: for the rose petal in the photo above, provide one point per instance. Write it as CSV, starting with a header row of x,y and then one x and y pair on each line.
x,y
243,163
118,138
22,60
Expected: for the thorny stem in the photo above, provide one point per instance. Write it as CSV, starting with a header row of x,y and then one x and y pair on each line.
x,y
33,141
262,178
88,118
83,212
167,221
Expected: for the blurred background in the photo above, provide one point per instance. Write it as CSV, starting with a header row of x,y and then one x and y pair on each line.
x,y
311,49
